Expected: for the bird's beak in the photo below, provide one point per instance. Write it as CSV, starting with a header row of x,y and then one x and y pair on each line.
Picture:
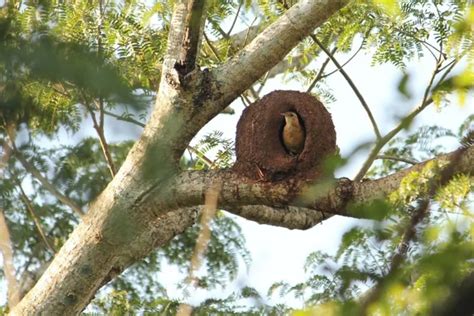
x,y
282,114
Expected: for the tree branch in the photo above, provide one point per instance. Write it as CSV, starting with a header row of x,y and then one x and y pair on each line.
x,y
351,83
99,127
190,186
6,249
406,160
36,220
445,175
290,217
264,52
47,185
192,35
235,18
427,100
320,74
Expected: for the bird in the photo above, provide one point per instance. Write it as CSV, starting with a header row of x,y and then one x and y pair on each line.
x,y
293,134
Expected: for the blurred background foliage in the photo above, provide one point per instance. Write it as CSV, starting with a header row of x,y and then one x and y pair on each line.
x,y
69,64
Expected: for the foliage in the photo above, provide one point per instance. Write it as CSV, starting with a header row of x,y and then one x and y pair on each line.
x,y
63,65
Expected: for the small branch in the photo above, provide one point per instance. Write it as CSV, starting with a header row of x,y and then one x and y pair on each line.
x,y
290,217
268,48
192,35
406,160
202,242
211,46
251,90
125,119
235,19
409,234
47,185
319,76
30,209
351,83
6,249
99,127
190,186
264,81
346,62
201,156
427,100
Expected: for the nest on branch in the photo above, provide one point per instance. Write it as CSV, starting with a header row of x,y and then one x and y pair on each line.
x,y
260,152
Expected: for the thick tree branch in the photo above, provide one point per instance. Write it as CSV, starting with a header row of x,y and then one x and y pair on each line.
x,y
290,217
6,250
192,36
190,186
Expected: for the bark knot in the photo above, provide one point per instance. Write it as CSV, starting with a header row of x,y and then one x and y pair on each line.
x,y
345,189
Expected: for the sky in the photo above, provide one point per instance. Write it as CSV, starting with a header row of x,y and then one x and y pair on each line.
x,y
278,253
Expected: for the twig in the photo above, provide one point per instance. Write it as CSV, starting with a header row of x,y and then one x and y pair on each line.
x,y
251,90
30,209
202,242
48,186
211,46
6,249
264,81
218,27
407,160
427,100
410,231
125,119
346,62
235,19
102,141
319,76
201,156
100,126
351,83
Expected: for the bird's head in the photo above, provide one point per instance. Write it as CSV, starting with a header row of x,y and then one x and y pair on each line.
x,y
290,117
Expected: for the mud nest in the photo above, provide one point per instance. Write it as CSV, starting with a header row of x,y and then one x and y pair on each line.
x,y
259,148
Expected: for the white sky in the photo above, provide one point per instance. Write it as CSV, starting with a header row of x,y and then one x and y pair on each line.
x,y
278,253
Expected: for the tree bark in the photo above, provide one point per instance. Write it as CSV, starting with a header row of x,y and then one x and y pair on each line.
x,y
149,201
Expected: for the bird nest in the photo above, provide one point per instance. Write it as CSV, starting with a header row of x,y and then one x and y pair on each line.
x,y
260,152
